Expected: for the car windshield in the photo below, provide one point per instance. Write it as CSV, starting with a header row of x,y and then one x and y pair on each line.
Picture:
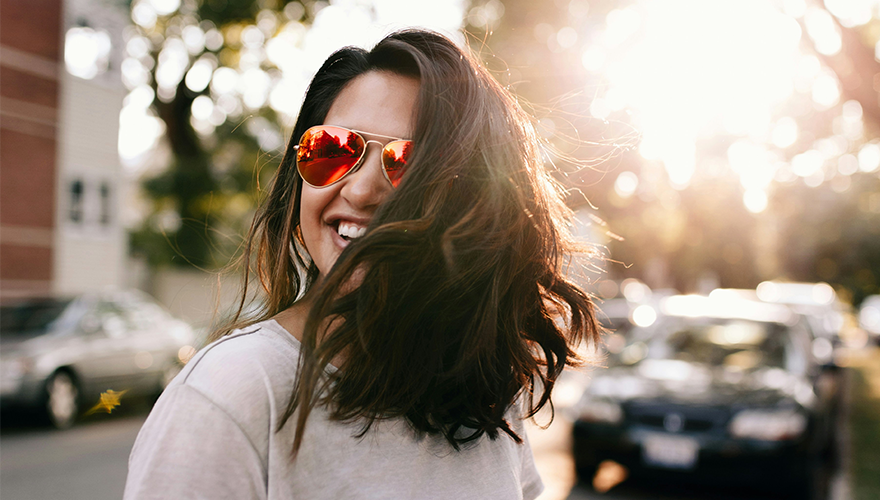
x,y
30,318
729,343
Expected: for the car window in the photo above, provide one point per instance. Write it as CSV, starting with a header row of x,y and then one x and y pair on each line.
x,y
734,344
30,318
143,315
110,319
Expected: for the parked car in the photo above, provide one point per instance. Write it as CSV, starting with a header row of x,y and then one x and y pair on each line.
x,y
824,313
715,390
59,354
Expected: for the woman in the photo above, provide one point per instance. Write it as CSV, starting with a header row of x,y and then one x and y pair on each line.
x,y
411,251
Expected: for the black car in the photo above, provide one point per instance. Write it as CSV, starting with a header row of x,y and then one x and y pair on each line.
x,y
717,391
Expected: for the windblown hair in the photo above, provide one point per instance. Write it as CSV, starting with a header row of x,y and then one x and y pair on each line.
x,y
455,302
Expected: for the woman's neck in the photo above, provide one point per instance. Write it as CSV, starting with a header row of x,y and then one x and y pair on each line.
x,y
293,319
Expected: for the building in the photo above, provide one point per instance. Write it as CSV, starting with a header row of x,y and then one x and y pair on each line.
x,y
59,165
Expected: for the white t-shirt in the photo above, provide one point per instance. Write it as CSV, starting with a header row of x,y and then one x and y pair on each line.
x,y
212,435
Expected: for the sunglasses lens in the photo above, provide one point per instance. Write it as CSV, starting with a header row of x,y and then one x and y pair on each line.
x,y
327,153
395,158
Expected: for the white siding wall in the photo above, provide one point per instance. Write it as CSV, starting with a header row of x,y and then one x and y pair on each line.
x,y
90,251
90,248
195,296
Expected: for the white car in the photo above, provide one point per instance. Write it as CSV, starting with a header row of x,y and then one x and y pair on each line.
x,y
60,354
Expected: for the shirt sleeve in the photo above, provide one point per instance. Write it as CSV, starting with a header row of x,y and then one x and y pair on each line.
x,y
532,486
191,448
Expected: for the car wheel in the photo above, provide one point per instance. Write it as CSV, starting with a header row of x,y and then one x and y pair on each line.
x,y
585,471
62,400
586,461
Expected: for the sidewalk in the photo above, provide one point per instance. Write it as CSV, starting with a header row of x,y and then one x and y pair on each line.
x,y
861,444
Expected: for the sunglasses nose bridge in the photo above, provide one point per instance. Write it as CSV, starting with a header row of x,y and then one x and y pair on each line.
x,y
366,184
365,153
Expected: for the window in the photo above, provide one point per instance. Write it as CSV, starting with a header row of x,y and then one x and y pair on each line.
x,y
77,201
106,206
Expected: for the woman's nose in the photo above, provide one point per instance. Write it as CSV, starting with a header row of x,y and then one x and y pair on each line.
x,y
367,187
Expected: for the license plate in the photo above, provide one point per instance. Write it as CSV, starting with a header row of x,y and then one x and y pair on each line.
x,y
672,452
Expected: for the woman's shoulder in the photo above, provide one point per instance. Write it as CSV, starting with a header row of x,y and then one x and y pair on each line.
x,y
263,341
261,345
218,412
251,368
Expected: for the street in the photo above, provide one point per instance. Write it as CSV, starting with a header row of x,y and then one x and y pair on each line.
x,y
89,462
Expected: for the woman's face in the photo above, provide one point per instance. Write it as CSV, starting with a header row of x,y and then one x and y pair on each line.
x,y
377,102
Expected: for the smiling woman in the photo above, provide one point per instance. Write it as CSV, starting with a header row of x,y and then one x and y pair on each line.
x,y
411,253
378,101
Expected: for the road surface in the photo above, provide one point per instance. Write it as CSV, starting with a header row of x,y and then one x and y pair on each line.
x,y
89,462
86,462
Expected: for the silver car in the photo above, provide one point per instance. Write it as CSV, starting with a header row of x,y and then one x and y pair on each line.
x,y
59,355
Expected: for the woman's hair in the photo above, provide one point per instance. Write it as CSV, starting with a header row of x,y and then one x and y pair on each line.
x,y
455,301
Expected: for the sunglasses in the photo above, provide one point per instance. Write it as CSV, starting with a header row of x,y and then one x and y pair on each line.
x,y
325,154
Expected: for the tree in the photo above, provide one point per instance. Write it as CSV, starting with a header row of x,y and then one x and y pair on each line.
x,y
220,157
226,77
716,197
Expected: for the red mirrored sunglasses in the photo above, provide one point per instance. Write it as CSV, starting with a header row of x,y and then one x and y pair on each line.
x,y
325,154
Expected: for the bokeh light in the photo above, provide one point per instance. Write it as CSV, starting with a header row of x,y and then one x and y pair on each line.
x,y
869,157
86,52
745,65
626,184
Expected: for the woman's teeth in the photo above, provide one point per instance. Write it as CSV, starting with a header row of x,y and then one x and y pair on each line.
x,y
350,231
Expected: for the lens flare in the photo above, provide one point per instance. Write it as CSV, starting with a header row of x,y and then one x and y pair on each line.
x,y
109,401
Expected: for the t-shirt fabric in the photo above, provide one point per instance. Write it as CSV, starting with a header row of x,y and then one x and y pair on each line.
x,y
211,435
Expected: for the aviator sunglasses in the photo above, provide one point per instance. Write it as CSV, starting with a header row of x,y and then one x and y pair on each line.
x,y
326,153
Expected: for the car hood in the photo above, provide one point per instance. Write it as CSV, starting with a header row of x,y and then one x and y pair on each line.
x,y
30,345
683,382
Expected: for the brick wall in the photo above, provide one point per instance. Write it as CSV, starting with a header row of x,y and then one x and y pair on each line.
x,y
30,65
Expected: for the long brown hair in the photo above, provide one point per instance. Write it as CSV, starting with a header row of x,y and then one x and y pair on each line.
x,y
461,303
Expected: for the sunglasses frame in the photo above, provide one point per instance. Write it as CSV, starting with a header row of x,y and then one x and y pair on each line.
x,y
359,161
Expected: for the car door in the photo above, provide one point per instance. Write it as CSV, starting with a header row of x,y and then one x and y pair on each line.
x,y
152,345
107,360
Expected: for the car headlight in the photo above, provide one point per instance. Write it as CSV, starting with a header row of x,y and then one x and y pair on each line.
x,y
768,425
15,368
12,373
598,410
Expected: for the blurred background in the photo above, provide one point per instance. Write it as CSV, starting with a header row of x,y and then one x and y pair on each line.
x,y
705,145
